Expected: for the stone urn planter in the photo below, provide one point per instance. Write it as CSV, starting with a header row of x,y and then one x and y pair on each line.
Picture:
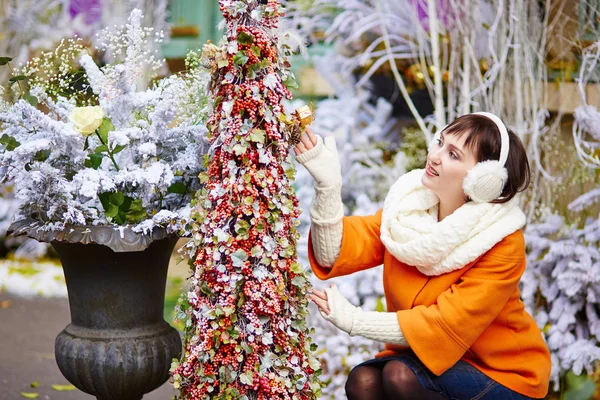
x,y
118,345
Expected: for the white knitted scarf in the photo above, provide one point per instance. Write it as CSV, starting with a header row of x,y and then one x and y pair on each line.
x,y
411,232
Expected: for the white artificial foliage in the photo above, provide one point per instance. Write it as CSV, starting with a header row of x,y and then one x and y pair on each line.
x,y
158,138
561,288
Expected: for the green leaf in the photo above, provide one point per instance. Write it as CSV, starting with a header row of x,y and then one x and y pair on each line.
x,y
9,142
5,60
178,188
101,148
240,58
255,50
296,268
96,160
41,155
87,144
104,128
30,395
28,97
104,199
63,388
239,149
136,212
111,211
118,149
116,198
17,78
257,135
290,82
222,62
244,38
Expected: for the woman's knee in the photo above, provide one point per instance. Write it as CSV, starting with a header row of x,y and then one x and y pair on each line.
x,y
362,381
399,380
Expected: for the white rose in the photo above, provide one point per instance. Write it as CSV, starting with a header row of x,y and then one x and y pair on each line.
x,y
87,119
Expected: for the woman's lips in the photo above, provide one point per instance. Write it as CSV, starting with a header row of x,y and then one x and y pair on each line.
x,y
430,171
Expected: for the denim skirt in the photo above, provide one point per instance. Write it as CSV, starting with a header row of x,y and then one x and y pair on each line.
x,y
461,382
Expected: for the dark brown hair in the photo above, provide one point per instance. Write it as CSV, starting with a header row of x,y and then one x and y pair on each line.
x,y
484,141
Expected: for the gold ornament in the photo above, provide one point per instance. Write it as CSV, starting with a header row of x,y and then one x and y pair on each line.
x,y
208,57
302,117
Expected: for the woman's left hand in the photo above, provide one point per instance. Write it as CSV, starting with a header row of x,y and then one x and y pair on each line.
x,y
335,308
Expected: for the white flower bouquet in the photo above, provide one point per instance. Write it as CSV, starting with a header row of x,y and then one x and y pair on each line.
x,y
109,145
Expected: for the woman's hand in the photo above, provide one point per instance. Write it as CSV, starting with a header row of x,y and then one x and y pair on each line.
x,y
335,308
320,158
320,299
308,140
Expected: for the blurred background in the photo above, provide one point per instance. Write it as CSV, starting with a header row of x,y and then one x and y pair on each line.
x,y
381,77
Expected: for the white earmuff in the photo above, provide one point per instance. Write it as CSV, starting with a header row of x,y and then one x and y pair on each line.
x,y
485,181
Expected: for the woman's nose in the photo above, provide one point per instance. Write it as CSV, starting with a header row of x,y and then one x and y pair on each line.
x,y
434,156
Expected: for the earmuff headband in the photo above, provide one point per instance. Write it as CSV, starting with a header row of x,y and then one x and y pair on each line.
x,y
504,141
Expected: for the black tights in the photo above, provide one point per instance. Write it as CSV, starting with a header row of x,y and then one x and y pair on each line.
x,y
395,381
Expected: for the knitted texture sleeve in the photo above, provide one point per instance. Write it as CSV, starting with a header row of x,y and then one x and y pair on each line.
x,y
326,213
327,210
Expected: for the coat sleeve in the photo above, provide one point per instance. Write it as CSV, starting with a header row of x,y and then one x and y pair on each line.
x,y
441,333
361,247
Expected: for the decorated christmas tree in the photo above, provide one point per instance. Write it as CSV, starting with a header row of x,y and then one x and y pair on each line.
x,y
246,335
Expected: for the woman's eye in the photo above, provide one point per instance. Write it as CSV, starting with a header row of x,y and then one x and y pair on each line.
x,y
453,155
439,142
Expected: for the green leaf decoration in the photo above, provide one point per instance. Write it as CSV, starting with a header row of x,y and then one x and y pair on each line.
x,y
244,38
63,388
9,142
240,58
111,211
29,395
41,155
118,149
290,82
101,148
178,188
255,50
121,208
257,135
136,212
5,60
104,128
17,78
95,160
116,198
28,97
104,199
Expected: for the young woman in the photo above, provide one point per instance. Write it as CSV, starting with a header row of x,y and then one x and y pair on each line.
x,y
449,238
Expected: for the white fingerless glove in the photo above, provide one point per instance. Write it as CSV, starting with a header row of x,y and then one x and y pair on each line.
x,y
323,162
379,326
327,210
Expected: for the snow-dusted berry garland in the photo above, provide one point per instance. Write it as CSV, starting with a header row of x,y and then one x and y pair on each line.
x,y
246,335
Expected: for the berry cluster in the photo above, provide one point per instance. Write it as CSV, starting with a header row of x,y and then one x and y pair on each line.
x,y
246,336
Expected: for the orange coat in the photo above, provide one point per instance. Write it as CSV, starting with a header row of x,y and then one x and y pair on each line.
x,y
474,313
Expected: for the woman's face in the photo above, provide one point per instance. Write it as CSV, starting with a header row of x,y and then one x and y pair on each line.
x,y
447,165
